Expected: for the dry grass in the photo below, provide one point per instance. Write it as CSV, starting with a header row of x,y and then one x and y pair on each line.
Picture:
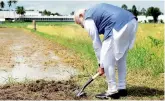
x,y
145,76
145,62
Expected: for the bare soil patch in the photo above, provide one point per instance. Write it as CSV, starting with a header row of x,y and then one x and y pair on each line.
x,y
27,55
40,90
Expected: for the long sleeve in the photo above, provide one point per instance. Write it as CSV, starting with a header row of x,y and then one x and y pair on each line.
x,y
91,28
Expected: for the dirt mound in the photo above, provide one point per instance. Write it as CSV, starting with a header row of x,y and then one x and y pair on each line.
x,y
40,90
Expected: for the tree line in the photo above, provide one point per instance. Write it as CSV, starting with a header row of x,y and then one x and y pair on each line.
x,y
151,11
48,13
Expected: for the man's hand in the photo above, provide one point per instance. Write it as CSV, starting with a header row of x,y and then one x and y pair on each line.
x,y
101,71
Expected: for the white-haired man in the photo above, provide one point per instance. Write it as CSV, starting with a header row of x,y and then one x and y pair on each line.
x,y
118,27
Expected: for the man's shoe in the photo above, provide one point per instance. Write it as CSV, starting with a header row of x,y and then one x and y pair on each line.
x,y
122,92
105,95
102,96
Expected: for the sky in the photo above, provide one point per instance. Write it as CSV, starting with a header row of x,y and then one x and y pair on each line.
x,y
65,7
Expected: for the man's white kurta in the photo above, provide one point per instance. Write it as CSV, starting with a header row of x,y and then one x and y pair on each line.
x,y
113,50
122,40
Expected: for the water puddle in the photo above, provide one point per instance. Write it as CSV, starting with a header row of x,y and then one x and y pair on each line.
x,y
22,72
35,65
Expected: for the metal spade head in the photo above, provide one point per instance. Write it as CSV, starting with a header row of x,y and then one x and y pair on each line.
x,y
81,94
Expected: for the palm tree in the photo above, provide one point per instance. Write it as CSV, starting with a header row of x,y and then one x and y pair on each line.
x,y
9,4
2,4
14,2
20,10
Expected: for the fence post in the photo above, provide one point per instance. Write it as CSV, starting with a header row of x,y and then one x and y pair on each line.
x,y
34,25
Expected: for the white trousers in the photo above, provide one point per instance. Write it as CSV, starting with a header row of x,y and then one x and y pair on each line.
x,y
115,50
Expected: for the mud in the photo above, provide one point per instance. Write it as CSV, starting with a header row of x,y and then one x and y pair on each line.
x,y
40,90
27,57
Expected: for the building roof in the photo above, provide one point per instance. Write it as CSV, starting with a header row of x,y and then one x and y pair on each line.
x,y
141,17
150,18
28,14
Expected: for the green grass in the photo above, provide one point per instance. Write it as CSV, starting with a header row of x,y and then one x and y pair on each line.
x,y
25,24
15,25
54,23
147,53
144,61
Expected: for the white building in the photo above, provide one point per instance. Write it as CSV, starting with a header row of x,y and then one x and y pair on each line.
x,y
161,18
32,15
8,14
48,18
150,19
142,19
2,20
35,15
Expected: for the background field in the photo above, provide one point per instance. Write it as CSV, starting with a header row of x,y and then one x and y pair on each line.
x,y
145,76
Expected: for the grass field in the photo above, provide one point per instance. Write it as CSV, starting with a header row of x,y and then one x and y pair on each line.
x,y
145,76
147,53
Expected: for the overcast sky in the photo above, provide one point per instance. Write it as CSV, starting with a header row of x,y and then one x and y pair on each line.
x,y
67,6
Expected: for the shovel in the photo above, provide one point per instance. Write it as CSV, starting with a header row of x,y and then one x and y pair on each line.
x,y
81,93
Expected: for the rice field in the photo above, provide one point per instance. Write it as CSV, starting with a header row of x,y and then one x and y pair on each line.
x,y
145,62
146,54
